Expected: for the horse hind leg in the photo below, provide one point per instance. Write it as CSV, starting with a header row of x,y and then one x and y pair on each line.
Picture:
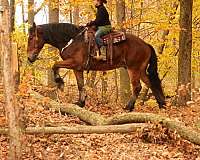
x,y
82,91
134,76
157,91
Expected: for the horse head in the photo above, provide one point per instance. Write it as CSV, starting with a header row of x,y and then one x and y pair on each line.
x,y
35,42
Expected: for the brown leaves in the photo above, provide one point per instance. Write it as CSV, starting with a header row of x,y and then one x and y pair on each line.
x,y
155,143
159,135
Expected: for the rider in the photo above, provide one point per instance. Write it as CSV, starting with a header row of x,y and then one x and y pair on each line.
x,y
103,25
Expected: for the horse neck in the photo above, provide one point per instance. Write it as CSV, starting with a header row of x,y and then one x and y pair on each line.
x,y
58,35
57,45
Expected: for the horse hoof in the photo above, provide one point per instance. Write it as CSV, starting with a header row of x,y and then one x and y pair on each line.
x,y
80,103
60,83
162,105
59,80
129,108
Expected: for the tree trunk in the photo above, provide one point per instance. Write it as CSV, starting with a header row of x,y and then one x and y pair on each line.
x,y
70,13
166,31
12,15
53,18
125,91
116,86
140,17
120,13
12,110
185,45
104,88
76,14
23,17
15,68
54,11
31,16
125,88
31,13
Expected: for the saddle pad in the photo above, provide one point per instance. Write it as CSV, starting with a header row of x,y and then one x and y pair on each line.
x,y
117,36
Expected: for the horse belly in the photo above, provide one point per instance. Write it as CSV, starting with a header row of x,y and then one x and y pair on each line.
x,y
104,66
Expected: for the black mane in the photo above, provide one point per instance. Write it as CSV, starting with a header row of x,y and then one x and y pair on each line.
x,y
59,34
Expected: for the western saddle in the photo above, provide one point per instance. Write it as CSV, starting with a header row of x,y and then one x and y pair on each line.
x,y
114,37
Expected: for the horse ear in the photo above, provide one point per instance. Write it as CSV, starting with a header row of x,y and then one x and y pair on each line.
x,y
34,26
39,30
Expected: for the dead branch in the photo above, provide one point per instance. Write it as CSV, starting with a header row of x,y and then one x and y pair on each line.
x,y
125,128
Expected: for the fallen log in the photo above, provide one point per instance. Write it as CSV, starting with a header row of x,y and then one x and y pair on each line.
x,y
185,132
85,115
125,128
134,117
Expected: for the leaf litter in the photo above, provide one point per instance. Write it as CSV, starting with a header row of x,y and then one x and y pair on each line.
x,y
153,143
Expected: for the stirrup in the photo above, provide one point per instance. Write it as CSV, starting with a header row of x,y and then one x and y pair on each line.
x,y
100,57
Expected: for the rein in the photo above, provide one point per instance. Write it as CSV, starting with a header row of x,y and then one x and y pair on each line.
x,y
36,37
72,40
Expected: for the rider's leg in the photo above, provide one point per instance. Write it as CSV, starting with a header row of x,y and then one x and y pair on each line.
x,y
102,30
101,54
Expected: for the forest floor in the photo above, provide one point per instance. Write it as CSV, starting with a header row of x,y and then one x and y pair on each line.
x,y
148,144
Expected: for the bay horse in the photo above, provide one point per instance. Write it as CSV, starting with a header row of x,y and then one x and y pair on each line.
x,y
137,56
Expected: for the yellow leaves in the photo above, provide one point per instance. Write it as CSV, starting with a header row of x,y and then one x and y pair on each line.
x,y
25,87
130,22
23,90
54,4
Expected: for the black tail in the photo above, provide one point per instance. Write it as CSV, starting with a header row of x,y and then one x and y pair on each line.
x,y
154,78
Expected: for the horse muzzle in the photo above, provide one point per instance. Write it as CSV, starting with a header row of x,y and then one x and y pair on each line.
x,y
32,58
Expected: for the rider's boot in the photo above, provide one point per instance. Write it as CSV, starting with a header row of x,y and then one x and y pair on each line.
x,y
101,54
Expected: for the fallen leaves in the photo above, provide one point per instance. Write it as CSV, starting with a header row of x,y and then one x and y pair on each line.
x,y
155,143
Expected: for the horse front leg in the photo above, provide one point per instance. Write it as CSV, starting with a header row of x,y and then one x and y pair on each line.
x,y
69,63
81,89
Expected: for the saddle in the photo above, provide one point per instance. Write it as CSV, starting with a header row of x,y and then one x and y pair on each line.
x,y
114,37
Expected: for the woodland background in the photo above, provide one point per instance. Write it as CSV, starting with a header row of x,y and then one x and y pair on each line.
x,y
157,22
171,26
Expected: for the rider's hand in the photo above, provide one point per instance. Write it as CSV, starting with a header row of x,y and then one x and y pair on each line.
x,y
89,23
